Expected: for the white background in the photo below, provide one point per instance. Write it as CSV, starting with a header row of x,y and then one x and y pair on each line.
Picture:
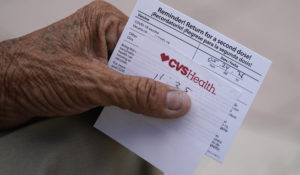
x,y
269,140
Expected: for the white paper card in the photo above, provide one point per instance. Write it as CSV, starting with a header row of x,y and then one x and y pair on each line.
x,y
175,146
233,62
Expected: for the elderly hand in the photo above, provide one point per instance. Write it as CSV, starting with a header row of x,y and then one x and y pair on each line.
x,y
62,70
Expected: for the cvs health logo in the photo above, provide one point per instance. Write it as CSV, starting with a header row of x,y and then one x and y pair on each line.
x,y
188,73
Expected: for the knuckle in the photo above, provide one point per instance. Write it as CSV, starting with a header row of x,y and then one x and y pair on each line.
x,y
148,94
98,3
105,9
99,6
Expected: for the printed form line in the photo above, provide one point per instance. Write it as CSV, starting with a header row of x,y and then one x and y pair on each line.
x,y
194,40
206,53
192,45
131,43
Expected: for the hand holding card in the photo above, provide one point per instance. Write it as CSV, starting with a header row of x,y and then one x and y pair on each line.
x,y
175,146
160,43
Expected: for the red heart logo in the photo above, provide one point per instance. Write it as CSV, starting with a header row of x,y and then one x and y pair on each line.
x,y
164,57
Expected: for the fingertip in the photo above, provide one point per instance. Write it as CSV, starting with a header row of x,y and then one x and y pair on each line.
x,y
151,98
177,103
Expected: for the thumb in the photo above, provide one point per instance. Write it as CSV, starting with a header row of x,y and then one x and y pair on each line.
x,y
149,97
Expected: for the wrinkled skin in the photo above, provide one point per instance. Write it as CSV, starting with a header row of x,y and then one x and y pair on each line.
x,y
62,70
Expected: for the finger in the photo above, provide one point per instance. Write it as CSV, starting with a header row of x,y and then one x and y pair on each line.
x,y
111,25
149,97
